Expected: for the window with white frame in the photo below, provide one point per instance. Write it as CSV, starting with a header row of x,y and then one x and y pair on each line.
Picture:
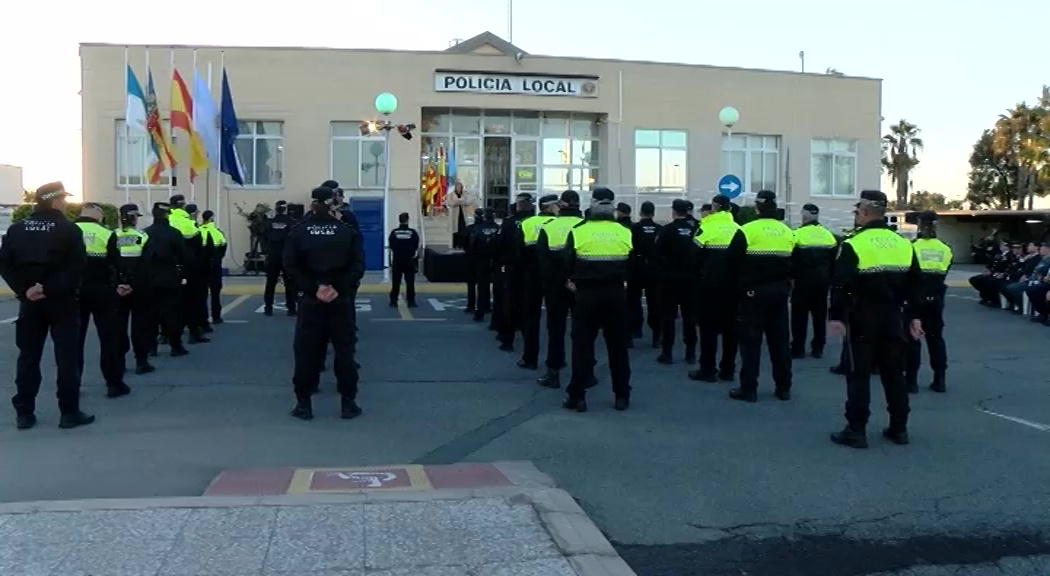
x,y
260,148
833,168
755,159
135,156
660,158
357,162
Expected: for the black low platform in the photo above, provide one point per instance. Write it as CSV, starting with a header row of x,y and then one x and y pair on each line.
x,y
444,265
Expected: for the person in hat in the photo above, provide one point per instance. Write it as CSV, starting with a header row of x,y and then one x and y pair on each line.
x,y
325,259
876,284
815,250
676,257
510,320
721,250
42,259
163,262
550,253
623,214
190,313
99,298
277,229
484,249
404,260
935,259
765,285
531,280
215,251
133,307
644,278
689,217
597,255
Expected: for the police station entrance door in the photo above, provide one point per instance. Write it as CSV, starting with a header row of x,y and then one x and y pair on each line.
x,y
497,172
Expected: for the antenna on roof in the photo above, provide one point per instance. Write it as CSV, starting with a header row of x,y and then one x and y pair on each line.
x,y
454,42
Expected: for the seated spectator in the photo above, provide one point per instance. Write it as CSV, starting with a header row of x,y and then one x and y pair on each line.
x,y
1038,288
989,283
1019,275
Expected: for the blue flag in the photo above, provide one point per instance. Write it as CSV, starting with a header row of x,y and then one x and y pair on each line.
x,y
231,163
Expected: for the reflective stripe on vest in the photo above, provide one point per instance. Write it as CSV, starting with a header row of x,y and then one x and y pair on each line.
x,y
814,236
881,250
130,242
769,237
530,227
557,230
717,231
210,230
96,238
935,257
602,241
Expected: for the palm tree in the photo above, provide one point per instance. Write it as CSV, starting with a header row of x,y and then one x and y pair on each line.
x,y
901,148
1023,134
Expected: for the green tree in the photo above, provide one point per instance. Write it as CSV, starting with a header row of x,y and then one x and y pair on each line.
x,y
993,175
900,155
1022,134
924,200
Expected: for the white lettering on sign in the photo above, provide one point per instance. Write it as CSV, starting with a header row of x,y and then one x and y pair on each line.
x,y
369,479
486,83
442,305
361,304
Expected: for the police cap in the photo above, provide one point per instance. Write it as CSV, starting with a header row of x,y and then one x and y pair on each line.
x,y
602,195
721,201
765,196
705,207
330,184
50,191
322,194
281,203
548,199
927,217
177,199
811,208
873,198
162,207
191,208
680,206
623,208
570,198
130,210
523,197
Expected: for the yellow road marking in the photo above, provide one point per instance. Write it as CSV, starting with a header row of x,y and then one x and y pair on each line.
x,y
403,310
236,302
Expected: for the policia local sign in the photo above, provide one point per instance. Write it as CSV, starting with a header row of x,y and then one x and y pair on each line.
x,y
527,84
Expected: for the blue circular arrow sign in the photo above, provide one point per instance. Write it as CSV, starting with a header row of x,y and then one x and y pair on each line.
x,y
730,186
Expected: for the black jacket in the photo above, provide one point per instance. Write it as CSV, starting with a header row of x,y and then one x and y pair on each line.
x,y
643,239
718,269
404,245
324,251
277,229
760,270
483,243
45,249
100,272
813,264
164,257
676,250
509,233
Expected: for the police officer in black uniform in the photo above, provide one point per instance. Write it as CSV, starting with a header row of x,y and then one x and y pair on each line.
x,y
645,274
765,285
483,244
134,305
815,251
277,229
404,255
532,281
623,214
550,253
42,259
163,262
676,254
99,298
597,255
513,273
325,258
498,287
877,283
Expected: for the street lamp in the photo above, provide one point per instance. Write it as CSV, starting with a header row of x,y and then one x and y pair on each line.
x,y
728,116
386,104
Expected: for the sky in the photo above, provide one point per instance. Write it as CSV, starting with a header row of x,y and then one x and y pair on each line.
x,y
941,70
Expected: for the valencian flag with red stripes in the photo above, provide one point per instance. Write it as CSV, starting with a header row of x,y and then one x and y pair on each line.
x,y
159,143
430,187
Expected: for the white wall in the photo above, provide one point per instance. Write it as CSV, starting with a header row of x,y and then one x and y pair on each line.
x,y
10,184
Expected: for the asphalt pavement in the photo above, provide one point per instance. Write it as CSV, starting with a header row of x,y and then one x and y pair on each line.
x,y
686,482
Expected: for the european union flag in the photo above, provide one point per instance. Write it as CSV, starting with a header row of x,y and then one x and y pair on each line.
x,y
230,128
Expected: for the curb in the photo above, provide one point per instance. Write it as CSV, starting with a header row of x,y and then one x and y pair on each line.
x,y
577,538
256,289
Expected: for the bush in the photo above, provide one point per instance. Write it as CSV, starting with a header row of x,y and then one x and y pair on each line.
x,y
111,220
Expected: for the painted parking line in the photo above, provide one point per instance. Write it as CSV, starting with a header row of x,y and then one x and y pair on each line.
x,y
1016,420
362,305
10,320
233,305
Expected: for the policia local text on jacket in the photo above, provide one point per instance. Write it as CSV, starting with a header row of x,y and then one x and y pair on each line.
x,y
935,259
550,251
597,257
765,285
42,259
815,250
721,252
99,299
876,283
531,280
325,259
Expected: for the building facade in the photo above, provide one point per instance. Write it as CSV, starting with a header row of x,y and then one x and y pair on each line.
x,y
517,122
11,186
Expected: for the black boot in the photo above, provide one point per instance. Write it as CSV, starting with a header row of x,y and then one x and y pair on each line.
x,y
622,403
143,367
702,376
575,404
75,420
839,370
117,390
896,435
25,421
303,409
938,384
348,408
552,379
850,437
523,363
743,395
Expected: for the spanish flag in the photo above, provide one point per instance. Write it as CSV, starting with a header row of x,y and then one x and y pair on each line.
x,y
442,172
430,187
182,118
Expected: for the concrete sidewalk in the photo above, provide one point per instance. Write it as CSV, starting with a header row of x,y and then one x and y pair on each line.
x,y
528,529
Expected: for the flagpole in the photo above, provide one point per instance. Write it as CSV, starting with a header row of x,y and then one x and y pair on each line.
x,y
171,131
145,154
213,119
127,133
218,177
193,185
